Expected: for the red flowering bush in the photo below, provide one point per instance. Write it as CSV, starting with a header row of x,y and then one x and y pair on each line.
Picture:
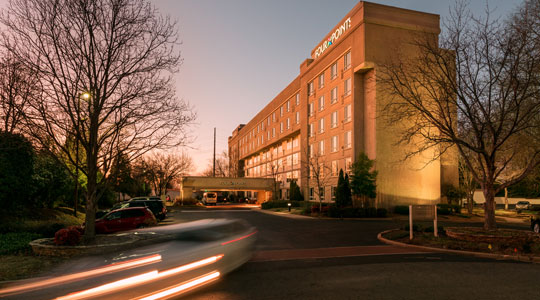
x,y
68,236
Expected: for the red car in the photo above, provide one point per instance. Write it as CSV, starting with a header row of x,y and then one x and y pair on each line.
x,y
125,219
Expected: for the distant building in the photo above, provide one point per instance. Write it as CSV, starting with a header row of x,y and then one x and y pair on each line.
x,y
329,112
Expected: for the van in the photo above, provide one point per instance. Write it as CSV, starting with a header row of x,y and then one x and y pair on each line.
x,y
209,198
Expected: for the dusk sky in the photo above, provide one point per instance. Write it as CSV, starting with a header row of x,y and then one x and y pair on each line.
x,y
239,54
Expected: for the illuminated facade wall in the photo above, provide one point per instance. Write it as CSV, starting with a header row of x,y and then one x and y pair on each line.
x,y
329,113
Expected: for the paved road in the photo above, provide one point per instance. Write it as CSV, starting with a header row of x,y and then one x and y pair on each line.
x,y
305,258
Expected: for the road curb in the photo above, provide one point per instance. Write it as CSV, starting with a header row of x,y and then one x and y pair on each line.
x,y
531,259
287,215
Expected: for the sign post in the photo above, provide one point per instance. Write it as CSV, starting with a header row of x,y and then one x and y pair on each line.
x,y
423,212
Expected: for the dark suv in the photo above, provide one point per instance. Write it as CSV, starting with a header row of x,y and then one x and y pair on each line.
x,y
155,205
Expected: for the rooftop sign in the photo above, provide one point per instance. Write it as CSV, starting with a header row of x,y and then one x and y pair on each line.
x,y
332,39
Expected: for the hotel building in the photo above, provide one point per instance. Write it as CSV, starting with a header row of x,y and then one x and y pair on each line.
x,y
330,113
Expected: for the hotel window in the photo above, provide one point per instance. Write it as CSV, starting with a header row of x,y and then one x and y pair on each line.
x,y
311,89
333,71
347,61
334,144
321,81
321,125
297,117
334,119
311,194
262,139
289,144
348,139
321,147
273,116
311,109
311,130
295,142
273,132
268,135
347,115
335,167
280,150
333,190
348,165
281,111
347,87
310,151
281,127
295,158
333,95
288,123
288,105
268,121
321,103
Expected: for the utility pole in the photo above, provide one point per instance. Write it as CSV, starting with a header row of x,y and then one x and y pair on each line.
x,y
214,164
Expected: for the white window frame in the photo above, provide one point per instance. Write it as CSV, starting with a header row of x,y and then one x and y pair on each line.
x,y
333,71
347,87
347,60
321,103
321,125
334,144
334,119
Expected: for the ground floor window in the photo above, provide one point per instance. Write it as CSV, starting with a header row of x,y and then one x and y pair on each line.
x,y
321,194
333,193
311,194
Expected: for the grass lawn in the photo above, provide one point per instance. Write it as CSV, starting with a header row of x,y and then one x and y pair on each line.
x,y
17,260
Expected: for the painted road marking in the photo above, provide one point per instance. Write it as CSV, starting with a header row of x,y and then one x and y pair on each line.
x,y
294,254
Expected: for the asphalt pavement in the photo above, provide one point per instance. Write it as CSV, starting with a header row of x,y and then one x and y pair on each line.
x,y
311,258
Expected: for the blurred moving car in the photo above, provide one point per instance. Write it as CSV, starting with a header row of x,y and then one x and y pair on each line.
x,y
523,205
209,198
125,219
166,262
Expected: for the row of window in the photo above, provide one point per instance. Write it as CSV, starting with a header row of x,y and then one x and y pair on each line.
x,y
333,73
334,145
334,121
333,97
274,152
274,167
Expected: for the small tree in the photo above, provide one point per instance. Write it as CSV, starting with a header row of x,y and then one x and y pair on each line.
x,y
363,178
347,196
16,169
343,191
295,193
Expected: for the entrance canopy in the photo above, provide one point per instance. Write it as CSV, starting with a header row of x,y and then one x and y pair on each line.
x,y
264,186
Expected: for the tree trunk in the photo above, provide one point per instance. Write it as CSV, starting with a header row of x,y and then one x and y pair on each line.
x,y
470,202
90,220
489,208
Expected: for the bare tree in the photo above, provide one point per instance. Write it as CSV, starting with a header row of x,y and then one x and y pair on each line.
x,y
222,166
105,70
275,170
161,170
476,90
17,85
319,174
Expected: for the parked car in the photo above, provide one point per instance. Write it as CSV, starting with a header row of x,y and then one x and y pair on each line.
x,y
535,224
156,206
209,198
125,219
523,205
145,198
